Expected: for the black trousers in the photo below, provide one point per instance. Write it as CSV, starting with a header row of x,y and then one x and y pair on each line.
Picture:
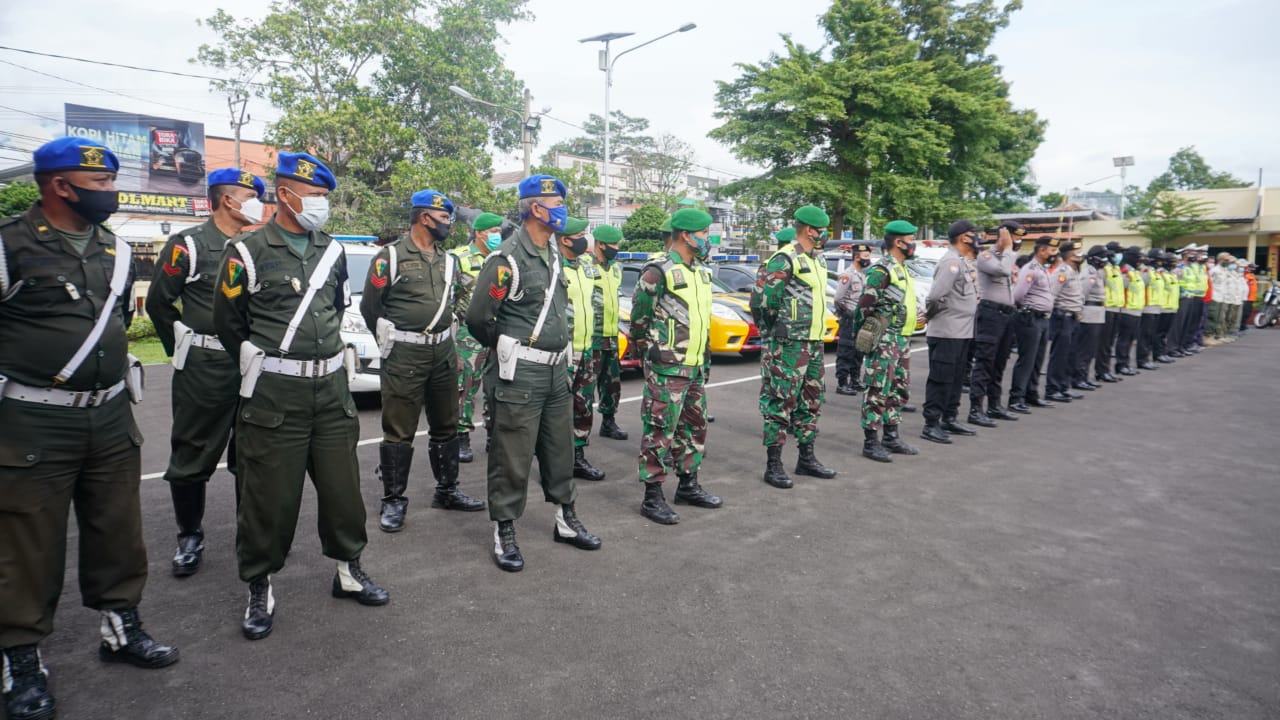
x,y
1030,331
1177,333
1084,350
1163,330
1126,333
1148,330
1062,331
848,362
1245,311
946,372
992,340
1105,356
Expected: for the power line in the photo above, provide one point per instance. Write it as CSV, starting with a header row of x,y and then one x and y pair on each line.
x,y
127,67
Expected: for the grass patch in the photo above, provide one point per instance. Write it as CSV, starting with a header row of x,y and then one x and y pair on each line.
x,y
149,351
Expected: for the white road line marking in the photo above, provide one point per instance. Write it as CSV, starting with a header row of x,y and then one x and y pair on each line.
x,y
637,398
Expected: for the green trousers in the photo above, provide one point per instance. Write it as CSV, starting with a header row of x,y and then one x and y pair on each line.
x,y
532,417
50,458
290,428
471,359
416,377
204,399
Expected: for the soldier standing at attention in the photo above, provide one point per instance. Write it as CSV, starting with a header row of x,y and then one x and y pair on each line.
x,y
1084,347
670,323
586,306
413,291
609,372
282,290
486,236
519,312
792,304
1034,299
848,292
993,326
950,307
1068,305
206,381
68,430
888,312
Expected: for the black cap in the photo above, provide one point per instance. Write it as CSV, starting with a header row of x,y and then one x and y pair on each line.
x,y
960,227
1014,227
1114,246
1049,240
860,247
1097,251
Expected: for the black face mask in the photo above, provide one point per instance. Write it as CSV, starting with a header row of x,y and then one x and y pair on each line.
x,y
609,253
864,263
1097,262
440,231
578,245
909,251
95,206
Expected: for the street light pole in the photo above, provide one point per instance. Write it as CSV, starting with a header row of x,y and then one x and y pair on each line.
x,y
527,124
526,134
1123,163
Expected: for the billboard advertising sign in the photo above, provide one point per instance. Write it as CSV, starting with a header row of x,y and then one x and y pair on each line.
x,y
162,168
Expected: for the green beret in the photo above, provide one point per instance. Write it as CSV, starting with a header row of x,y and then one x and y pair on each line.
x,y
690,220
665,226
574,226
812,216
785,235
486,221
607,234
900,227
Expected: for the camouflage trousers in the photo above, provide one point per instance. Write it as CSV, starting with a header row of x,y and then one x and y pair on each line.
x,y
609,376
582,385
791,390
886,372
673,415
471,357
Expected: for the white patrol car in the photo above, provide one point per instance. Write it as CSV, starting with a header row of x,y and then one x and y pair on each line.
x,y
360,250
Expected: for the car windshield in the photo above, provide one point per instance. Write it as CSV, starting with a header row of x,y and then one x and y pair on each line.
x,y
921,268
358,270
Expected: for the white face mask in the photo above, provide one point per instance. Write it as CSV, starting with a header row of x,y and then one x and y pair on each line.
x,y
314,213
252,210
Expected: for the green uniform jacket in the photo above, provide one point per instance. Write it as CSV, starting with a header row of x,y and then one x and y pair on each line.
x,y
414,297
671,314
54,298
174,281
792,297
507,301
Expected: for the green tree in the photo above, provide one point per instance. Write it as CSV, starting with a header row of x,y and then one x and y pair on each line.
x,y
580,182
643,225
1052,200
660,174
16,197
626,136
1188,170
1173,216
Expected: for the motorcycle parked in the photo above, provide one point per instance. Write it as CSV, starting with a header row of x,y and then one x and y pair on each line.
x,y
1269,310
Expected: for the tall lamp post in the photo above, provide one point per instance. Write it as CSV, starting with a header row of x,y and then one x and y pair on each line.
x,y
529,121
606,65
1124,163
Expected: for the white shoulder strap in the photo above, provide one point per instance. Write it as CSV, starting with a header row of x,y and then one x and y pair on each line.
x,y
449,262
514,290
546,300
190,242
119,276
314,283
4,272
393,263
250,271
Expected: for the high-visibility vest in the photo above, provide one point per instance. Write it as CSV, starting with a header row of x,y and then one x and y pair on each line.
x,y
902,280
1155,288
582,282
1135,296
608,282
804,310
681,324
1171,290
1114,287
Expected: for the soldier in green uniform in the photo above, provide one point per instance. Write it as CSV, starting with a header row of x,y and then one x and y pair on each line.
x,y
278,309
670,324
790,310
518,311
888,311
67,423
486,236
609,371
586,306
206,381
413,291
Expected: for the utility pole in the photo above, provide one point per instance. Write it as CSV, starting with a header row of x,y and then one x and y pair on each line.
x,y
526,133
239,118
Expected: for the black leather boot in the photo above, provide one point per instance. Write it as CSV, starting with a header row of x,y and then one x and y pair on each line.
x,y
655,506
395,459
444,465
260,612
689,492
774,473
506,554
26,684
808,464
465,454
844,386
609,428
998,413
351,581
978,417
188,510
124,640
933,433
872,449
908,407
950,424
582,468
894,444
569,529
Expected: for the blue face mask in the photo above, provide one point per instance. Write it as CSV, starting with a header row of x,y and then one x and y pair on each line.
x,y
559,216
493,241
1115,259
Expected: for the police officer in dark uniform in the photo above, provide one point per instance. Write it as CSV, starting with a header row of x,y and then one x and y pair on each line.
x,y
67,423
518,310
206,381
413,291
282,290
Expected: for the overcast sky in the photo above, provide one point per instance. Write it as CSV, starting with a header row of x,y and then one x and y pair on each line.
x,y
1113,77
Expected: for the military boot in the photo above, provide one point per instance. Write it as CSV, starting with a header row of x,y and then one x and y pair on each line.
x,y
582,468
978,417
609,428
655,505
689,492
950,423
261,610
933,433
871,447
894,444
506,554
444,465
774,473
124,640
844,386
395,459
26,684
569,529
465,454
188,509
351,581
808,464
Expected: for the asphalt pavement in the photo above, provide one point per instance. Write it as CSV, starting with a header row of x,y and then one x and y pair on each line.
x,y
1118,557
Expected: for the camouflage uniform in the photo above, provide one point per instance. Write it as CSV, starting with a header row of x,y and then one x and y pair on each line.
x,y
471,354
887,369
585,309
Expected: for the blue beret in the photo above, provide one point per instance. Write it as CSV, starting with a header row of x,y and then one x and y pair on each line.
x,y
305,168
74,153
541,186
432,200
239,178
